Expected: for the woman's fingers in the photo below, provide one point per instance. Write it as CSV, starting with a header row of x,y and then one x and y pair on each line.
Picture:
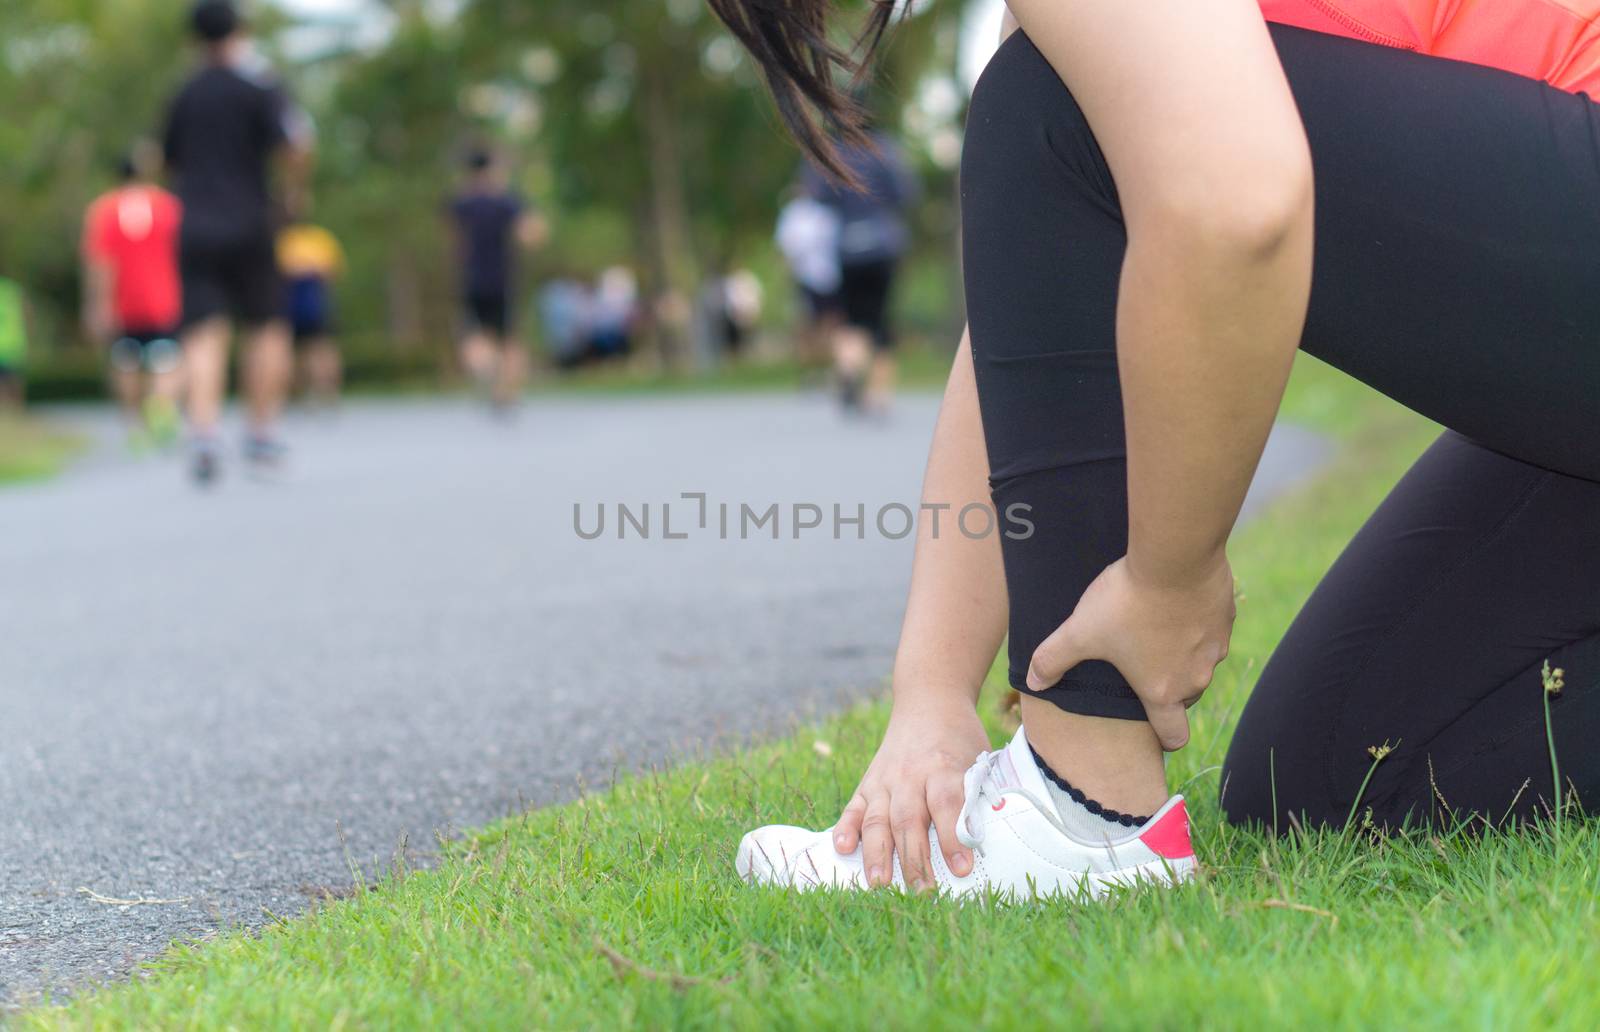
x,y
887,823
1170,723
877,841
945,796
909,818
1055,656
847,832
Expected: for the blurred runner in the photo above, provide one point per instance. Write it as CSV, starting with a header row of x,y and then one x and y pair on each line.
x,y
224,129
311,260
13,344
491,225
132,301
873,237
808,236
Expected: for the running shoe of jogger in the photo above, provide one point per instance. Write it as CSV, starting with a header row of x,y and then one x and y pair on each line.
x,y
1456,206
225,128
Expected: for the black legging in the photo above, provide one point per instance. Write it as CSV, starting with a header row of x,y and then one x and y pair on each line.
x,y
1457,270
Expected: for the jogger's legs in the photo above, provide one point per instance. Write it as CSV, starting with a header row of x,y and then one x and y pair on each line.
x,y
205,359
127,384
478,351
269,368
510,374
323,370
1455,270
880,380
1428,635
166,385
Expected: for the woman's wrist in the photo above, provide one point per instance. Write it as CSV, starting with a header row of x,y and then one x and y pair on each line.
x,y
930,700
1176,574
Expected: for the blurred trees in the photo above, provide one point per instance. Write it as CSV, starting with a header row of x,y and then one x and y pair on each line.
x,y
77,83
390,134
638,125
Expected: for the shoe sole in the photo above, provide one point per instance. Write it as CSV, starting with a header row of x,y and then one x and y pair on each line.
x,y
1155,873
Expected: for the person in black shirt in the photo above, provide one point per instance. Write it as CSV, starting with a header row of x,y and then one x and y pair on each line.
x,y
224,130
491,224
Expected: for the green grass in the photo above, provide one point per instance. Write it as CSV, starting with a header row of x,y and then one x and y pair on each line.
x,y
31,449
621,909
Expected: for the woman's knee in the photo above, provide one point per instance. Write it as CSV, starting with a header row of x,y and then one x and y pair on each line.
x,y
1042,237
1026,131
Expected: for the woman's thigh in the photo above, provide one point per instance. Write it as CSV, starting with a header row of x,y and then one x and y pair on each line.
x,y
1429,635
1457,264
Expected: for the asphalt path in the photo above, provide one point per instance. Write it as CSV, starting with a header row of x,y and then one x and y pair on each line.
x,y
224,699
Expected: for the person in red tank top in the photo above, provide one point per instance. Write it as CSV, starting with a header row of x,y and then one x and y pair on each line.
x,y
132,299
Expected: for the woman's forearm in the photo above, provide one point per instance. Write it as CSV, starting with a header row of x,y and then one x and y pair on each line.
x,y
1203,353
956,613
1191,109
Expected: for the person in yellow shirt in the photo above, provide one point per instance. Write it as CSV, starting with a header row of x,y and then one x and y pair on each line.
x,y
312,261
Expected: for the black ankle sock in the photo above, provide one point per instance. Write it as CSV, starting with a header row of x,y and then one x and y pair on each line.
x,y
1103,812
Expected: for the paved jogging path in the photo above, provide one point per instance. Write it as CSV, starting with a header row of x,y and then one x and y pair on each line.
x,y
199,691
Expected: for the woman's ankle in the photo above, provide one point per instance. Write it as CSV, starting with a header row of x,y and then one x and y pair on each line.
x,y
1117,763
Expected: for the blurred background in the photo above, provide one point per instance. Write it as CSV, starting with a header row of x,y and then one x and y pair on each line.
x,y
634,126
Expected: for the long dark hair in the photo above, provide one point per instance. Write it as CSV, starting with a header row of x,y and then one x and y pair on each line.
x,y
789,40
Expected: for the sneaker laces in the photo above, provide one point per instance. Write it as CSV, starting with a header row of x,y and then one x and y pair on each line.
x,y
972,786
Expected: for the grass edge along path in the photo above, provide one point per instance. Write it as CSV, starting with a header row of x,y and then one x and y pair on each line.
x,y
621,908
32,449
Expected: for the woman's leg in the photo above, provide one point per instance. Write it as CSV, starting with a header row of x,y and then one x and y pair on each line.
x,y
1429,635
1456,270
1043,242
1458,209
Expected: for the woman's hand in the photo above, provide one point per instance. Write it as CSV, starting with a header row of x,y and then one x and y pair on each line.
x,y
1165,639
915,780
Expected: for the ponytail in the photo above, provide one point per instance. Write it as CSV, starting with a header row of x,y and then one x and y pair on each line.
x,y
789,40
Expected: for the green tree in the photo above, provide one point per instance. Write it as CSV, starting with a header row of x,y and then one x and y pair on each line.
x,y
80,82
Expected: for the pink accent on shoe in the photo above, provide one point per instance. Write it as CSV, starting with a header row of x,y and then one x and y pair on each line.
x,y
1169,837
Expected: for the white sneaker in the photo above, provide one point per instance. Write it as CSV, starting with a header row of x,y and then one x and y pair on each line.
x,y
1020,848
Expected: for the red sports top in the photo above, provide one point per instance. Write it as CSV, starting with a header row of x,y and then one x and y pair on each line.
x,y
134,230
1554,40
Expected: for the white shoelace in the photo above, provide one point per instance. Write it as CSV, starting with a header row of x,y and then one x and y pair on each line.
x,y
972,784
